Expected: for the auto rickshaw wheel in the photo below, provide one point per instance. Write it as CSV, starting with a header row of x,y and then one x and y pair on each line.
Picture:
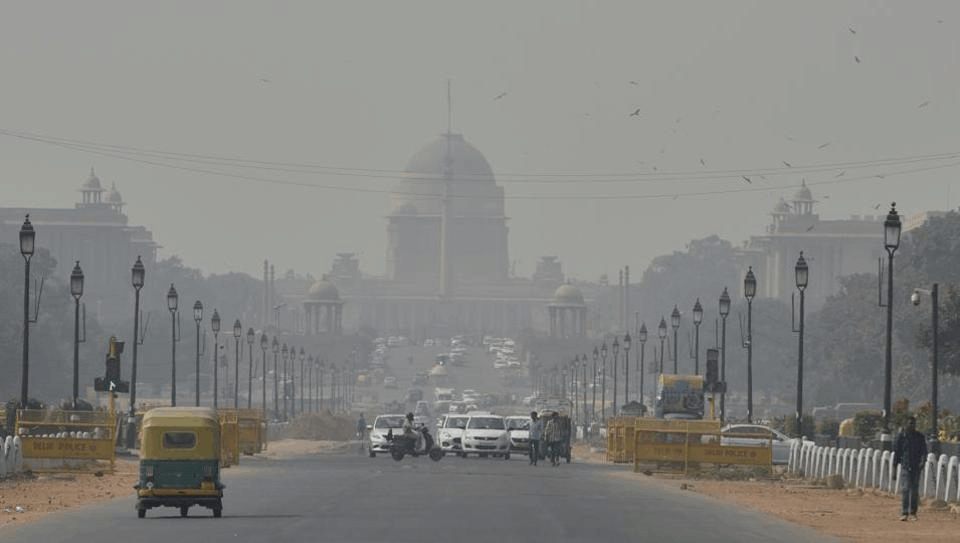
x,y
372,454
141,513
183,510
217,512
506,456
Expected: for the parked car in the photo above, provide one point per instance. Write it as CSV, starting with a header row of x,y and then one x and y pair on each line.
x,y
389,382
485,434
450,433
757,435
382,426
518,428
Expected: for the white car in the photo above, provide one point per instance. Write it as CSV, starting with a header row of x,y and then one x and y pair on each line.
x,y
485,434
757,435
382,426
518,428
450,433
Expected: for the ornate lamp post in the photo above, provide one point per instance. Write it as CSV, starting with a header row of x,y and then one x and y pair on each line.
x,y
724,305
172,301
197,317
275,347
749,291
76,290
27,238
891,241
593,384
263,373
237,331
662,333
675,324
137,275
616,362
310,396
251,335
603,383
626,368
215,326
697,319
802,272
284,351
934,437
323,364
642,338
303,358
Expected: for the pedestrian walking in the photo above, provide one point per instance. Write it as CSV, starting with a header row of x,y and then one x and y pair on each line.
x,y
910,452
535,433
552,435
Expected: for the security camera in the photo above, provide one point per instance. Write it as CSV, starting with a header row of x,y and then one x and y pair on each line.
x,y
915,298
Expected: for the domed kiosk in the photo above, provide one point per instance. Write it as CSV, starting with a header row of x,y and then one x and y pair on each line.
x,y
446,223
323,308
568,302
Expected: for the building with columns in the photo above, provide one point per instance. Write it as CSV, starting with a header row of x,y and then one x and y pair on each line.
x,y
568,313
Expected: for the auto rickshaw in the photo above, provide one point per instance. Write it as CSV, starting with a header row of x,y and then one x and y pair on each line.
x,y
180,460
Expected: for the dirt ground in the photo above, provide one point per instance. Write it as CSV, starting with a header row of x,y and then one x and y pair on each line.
x,y
850,514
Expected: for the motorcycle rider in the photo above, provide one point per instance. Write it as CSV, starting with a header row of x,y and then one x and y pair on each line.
x,y
408,433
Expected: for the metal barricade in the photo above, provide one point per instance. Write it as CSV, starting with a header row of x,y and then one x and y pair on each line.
x,y
681,444
250,431
58,440
229,437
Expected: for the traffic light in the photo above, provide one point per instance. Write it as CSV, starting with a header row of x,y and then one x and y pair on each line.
x,y
111,382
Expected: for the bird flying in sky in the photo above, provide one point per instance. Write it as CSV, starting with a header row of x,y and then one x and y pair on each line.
x,y
824,146
747,179
499,96
636,113
925,104
787,164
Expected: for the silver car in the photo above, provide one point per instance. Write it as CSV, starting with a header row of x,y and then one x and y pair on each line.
x,y
757,435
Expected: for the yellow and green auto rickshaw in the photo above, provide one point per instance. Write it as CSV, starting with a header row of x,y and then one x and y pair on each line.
x,y
180,460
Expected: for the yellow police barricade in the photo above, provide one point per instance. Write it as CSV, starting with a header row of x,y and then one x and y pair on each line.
x,y
229,437
58,440
676,443
250,426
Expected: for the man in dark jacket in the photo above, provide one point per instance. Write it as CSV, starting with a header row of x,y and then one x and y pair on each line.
x,y
910,452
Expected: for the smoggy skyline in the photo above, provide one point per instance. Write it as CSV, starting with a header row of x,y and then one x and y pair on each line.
x,y
244,131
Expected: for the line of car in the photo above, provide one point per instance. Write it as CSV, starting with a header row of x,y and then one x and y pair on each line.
x,y
479,433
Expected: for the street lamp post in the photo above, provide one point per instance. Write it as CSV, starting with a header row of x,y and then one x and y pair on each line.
x,y
275,347
662,333
137,276
626,368
697,319
642,338
802,272
724,305
310,396
675,324
215,326
27,239
197,317
76,290
891,241
172,301
284,351
303,358
251,335
593,385
749,291
616,362
263,373
323,364
603,383
934,439
237,331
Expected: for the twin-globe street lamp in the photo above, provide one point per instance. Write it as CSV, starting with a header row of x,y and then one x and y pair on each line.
x,y
263,364
934,437
215,326
284,354
802,272
76,290
275,347
662,333
137,277
616,361
237,331
891,240
724,308
593,385
603,383
626,368
749,291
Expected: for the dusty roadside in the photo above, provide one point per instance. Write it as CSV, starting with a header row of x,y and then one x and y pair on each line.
x,y
856,515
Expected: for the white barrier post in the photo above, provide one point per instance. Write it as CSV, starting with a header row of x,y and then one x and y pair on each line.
x,y
17,454
952,479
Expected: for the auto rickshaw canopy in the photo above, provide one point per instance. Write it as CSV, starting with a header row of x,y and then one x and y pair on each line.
x,y
180,433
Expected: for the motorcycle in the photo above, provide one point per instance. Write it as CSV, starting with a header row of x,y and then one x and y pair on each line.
x,y
401,446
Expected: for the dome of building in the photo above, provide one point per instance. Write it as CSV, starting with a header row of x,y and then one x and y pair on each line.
x,y
92,182
114,196
781,207
471,180
323,291
803,194
568,295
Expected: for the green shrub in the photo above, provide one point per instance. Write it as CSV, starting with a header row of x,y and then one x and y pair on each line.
x,y
829,429
790,426
866,424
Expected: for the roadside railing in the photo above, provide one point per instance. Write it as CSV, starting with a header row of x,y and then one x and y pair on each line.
x,y
11,456
874,468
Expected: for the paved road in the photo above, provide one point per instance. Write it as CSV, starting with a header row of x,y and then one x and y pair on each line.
x,y
351,498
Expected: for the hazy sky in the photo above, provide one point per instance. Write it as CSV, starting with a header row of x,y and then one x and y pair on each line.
x,y
859,98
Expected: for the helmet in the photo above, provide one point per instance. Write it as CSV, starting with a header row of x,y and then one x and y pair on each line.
x,y
410,416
